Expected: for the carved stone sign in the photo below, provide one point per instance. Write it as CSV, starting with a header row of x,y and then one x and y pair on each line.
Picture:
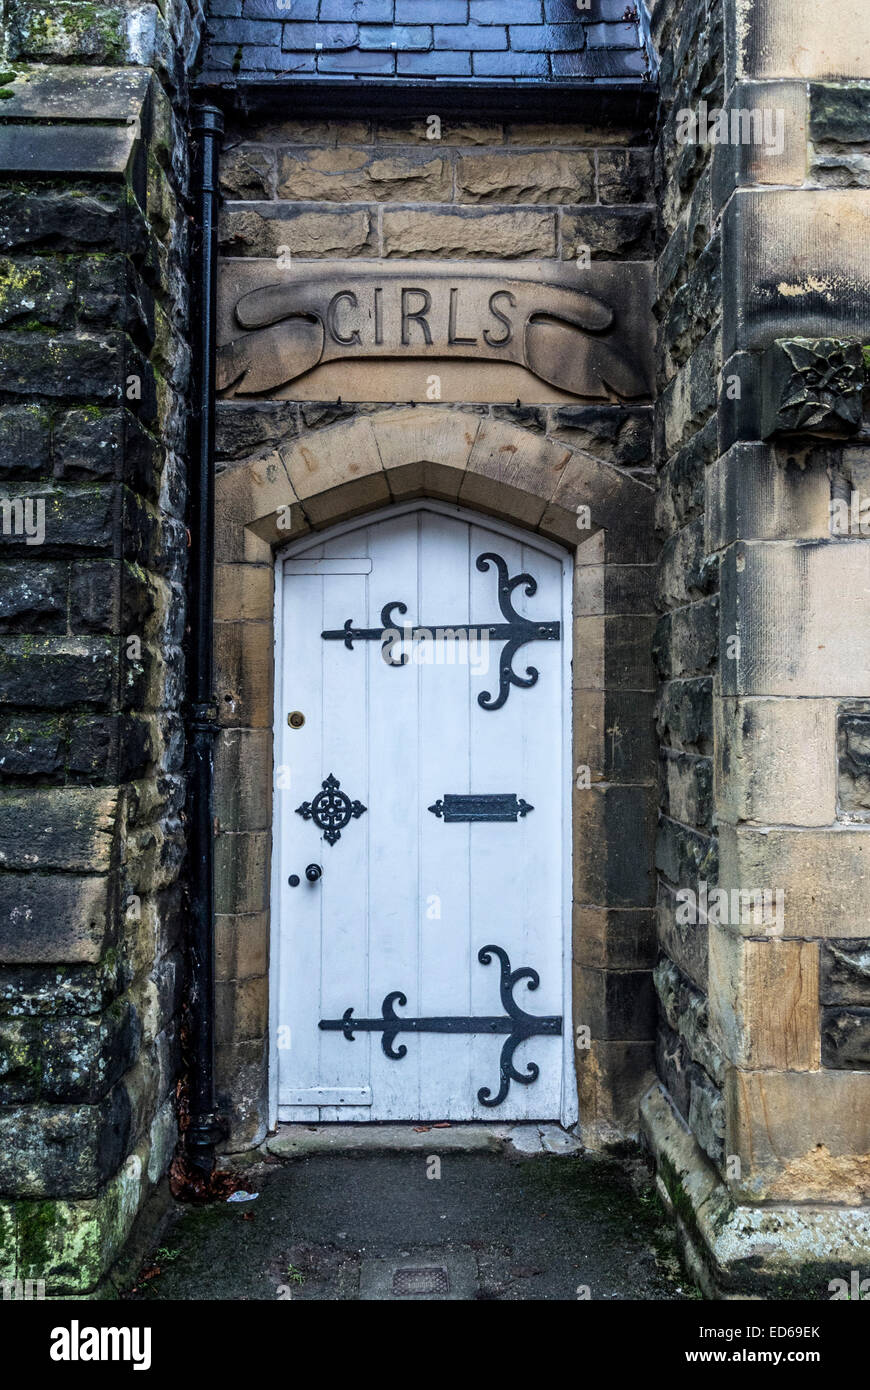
x,y
584,332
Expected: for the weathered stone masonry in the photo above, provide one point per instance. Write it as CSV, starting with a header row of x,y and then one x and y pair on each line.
x,y
762,650
754,630
93,422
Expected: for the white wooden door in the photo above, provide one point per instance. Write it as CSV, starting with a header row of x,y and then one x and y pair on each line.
x,y
440,829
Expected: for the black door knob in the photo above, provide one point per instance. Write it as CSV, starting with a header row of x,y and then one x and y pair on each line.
x,y
313,872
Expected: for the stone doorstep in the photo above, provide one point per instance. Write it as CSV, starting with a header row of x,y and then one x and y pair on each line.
x,y
306,1140
745,1252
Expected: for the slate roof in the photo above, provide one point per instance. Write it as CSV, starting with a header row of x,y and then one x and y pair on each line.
x,y
395,42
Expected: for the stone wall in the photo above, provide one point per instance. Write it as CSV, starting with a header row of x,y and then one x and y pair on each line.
x,y
689,313
763,283
94,239
370,191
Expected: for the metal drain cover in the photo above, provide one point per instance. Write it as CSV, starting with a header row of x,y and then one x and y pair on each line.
x,y
428,1272
431,1279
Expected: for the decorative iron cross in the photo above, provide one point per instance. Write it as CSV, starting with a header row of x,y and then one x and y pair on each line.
x,y
515,632
516,1023
331,810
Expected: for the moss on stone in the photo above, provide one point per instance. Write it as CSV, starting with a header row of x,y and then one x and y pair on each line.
x,y
36,1230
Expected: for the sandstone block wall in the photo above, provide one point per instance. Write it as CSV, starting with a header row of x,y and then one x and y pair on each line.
x,y
761,649
485,190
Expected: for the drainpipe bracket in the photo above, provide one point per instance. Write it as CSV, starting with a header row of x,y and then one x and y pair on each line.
x,y
203,1132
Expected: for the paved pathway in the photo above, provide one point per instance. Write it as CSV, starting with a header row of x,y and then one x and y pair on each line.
x,y
393,1212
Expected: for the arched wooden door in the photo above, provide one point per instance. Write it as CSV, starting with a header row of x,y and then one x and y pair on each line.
x,y
421,877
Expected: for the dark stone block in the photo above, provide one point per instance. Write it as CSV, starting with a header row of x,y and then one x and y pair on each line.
x,y
625,176
684,856
173,736
853,769
530,417
24,440
63,1150
740,415
55,672
707,1114
695,306
613,233
34,289
685,567
38,990
846,1039
135,747
33,597
812,385
243,430
89,442
67,1059
82,1059
631,1005
618,433
685,714
630,822
627,663
672,1064
92,748
66,364
109,293
138,601
685,943
80,517
630,746
839,114
844,976
694,775
93,597
65,222
31,747
144,458
681,492
686,642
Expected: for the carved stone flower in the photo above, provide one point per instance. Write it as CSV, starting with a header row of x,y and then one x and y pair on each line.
x,y
813,384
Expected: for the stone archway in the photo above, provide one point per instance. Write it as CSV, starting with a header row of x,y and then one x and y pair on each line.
x,y
521,476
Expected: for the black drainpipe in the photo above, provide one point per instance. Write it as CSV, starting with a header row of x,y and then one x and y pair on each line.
x,y
204,1128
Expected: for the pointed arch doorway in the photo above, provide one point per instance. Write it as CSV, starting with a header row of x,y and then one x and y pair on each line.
x,y
421,816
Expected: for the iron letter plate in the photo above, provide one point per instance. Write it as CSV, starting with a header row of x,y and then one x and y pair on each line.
x,y
498,806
